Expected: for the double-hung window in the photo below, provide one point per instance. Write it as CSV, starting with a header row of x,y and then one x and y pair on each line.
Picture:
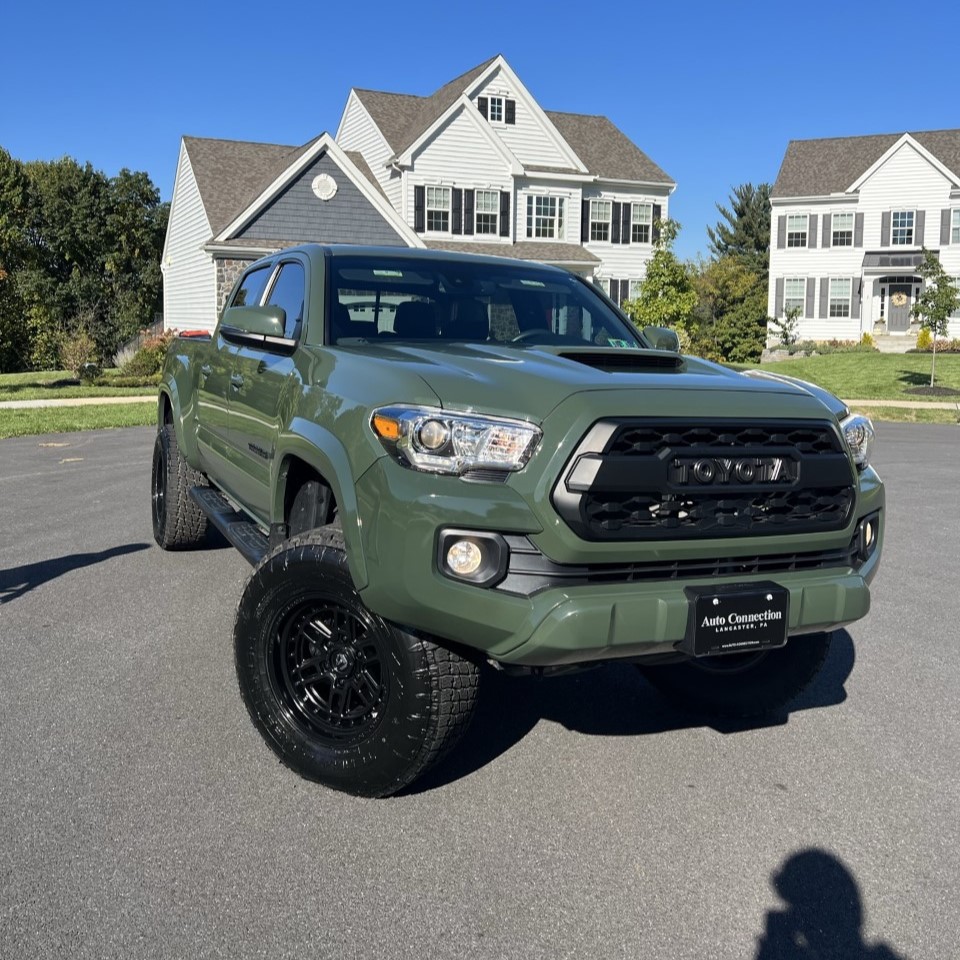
x,y
956,313
797,230
955,227
487,206
794,294
901,233
438,209
840,296
545,217
495,114
841,228
641,220
600,213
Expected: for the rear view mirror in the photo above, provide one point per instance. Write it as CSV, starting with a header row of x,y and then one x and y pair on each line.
x,y
262,321
662,338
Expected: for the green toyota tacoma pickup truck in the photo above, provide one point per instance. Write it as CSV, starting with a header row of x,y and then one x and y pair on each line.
x,y
438,463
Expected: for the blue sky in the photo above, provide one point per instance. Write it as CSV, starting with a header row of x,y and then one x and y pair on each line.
x,y
711,91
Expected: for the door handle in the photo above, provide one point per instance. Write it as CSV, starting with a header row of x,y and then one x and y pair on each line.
x,y
236,381
205,370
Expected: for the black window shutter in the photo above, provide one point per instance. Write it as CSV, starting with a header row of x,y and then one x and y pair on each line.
x,y
529,216
919,220
504,213
778,298
855,298
824,297
885,229
615,222
456,225
625,224
944,227
482,106
657,214
510,111
827,221
781,233
812,232
468,220
811,283
585,221
419,209
858,230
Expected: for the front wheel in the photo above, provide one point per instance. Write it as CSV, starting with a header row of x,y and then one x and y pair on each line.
x,y
742,684
340,695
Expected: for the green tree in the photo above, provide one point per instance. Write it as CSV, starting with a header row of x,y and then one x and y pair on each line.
x,y
744,231
666,295
14,329
939,299
730,320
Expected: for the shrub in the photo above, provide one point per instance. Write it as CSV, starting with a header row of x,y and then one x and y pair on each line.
x,y
867,340
924,339
78,354
148,360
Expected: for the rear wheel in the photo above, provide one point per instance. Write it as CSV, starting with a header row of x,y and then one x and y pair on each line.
x,y
177,521
742,684
340,695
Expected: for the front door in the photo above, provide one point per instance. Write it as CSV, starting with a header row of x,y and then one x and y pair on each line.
x,y
899,318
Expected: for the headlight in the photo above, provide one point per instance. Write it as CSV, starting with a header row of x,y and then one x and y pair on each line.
x,y
859,433
440,442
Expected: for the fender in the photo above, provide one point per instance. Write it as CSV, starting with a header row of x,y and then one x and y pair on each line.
x,y
322,450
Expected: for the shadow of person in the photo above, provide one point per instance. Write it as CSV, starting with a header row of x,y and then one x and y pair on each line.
x,y
16,581
823,918
612,700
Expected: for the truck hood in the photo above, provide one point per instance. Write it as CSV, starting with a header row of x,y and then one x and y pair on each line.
x,y
532,380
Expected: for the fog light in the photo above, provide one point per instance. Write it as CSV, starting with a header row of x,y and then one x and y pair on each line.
x,y
464,558
868,530
472,556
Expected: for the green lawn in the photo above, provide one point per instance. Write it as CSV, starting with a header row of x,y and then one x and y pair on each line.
x,y
54,384
21,423
873,376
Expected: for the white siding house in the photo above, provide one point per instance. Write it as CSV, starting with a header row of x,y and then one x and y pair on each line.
x,y
480,166
850,220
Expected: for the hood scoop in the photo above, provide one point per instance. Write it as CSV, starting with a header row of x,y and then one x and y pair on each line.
x,y
625,361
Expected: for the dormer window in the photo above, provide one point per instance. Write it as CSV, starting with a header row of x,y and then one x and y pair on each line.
x,y
902,232
498,109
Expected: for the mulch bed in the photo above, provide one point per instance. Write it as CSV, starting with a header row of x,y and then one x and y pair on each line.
x,y
933,391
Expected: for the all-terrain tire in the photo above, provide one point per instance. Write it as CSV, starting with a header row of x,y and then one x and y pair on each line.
x,y
177,521
742,685
342,696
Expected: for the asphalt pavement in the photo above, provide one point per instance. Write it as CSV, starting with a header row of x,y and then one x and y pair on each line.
x,y
142,816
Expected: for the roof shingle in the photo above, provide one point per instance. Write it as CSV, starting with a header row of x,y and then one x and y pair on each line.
x,y
818,168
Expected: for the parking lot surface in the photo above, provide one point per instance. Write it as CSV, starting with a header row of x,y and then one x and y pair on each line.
x,y
142,816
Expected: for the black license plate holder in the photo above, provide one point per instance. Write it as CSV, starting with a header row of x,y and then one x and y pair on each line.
x,y
736,618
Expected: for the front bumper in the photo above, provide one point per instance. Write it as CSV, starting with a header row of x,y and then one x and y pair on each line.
x,y
401,512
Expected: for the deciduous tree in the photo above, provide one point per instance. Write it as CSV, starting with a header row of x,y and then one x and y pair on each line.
x,y
939,299
666,295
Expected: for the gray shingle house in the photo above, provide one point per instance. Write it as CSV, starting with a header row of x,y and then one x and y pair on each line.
x,y
477,166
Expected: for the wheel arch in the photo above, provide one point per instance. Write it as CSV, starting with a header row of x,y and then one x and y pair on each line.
x,y
320,456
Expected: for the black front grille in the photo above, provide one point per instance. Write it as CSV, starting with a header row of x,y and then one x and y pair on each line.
x,y
638,480
529,571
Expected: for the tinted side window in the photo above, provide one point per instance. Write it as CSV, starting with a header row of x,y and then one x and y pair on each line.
x,y
287,292
251,288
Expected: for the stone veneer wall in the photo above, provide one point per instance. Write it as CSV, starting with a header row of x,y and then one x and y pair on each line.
x,y
227,273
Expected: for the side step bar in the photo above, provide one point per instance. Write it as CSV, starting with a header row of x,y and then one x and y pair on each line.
x,y
242,532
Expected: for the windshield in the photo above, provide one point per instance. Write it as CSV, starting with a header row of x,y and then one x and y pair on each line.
x,y
451,300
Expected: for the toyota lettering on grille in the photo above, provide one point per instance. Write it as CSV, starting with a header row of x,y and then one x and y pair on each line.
x,y
716,471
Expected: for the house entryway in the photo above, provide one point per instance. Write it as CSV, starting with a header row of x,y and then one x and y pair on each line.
x,y
898,317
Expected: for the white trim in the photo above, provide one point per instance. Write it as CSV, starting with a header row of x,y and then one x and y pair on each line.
x,y
833,228
806,233
831,298
807,201
228,251
324,144
906,139
803,303
667,185
591,220
463,102
913,227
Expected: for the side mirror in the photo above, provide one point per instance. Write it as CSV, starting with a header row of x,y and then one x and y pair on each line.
x,y
260,321
662,338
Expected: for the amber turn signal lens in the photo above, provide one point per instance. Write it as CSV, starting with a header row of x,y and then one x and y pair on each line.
x,y
386,427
